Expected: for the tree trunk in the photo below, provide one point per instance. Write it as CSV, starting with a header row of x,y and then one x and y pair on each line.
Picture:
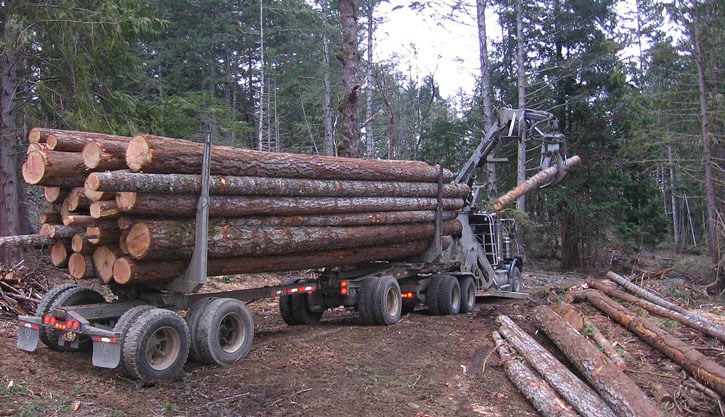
x,y
486,95
234,206
634,289
260,103
350,59
623,395
118,181
153,154
673,198
369,134
688,357
51,168
581,397
521,81
80,265
329,144
532,183
175,240
36,240
546,401
105,155
127,270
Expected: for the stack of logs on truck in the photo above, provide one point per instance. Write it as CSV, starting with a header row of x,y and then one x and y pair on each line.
x,y
123,208
608,391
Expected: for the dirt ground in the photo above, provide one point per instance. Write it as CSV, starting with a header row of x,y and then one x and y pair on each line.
x,y
422,366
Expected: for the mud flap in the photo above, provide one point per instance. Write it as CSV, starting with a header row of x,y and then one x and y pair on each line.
x,y
28,336
106,354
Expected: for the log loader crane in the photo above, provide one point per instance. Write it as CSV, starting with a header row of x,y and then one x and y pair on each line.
x,y
142,330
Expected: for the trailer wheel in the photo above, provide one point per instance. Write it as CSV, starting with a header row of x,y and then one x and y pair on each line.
x,y
285,310
193,315
71,297
515,279
431,297
364,301
449,296
44,307
224,332
468,295
386,300
302,312
156,346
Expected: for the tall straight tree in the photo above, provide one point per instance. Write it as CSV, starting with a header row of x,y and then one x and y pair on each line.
x,y
349,145
486,95
521,82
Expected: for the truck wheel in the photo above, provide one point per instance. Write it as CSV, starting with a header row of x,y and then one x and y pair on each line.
x,y
301,310
431,297
515,279
386,301
156,346
364,301
449,296
72,297
44,307
468,295
224,332
195,313
285,310
126,319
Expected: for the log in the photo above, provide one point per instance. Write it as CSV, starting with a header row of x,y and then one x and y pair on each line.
x,y
36,147
690,319
77,199
98,235
540,394
80,244
175,240
532,183
41,135
105,155
94,195
80,265
49,217
103,259
57,231
155,154
129,271
59,254
79,220
577,320
51,168
55,194
35,240
104,210
622,394
653,298
235,206
287,187
581,397
688,357
122,241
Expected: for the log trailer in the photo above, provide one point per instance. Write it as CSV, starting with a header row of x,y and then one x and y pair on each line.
x,y
142,330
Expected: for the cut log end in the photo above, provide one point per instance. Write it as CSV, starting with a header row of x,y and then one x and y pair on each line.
x,y
93,183
126,200
34,168
122,270
54,194
139,240
80,266
34,136
92,155
137,154
103,259
59,255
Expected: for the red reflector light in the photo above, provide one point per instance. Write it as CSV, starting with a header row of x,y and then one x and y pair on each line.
x,y
52,321
408,295
68,323
343,284
46,319
343,291
76,325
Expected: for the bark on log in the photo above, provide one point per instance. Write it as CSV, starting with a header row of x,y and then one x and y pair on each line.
x,y
154,154
98,235
80,265
75,142
59,254
80,244
103,259
36,147
105,155
107,209
690,319
94,195
57,231
35,241
175,240
79,220
581,397
41,135
637,290
55,194
288,187
531,183
55,169
129,271
77,199
622,394
235,206
122,241
50,217
539,393
579,322
688,357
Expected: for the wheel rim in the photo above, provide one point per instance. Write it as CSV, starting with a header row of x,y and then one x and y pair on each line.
x,y
455,297
392,302
470,295
163,348
231,332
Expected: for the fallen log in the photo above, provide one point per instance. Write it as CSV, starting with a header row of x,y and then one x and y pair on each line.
x,y
80,266
288,187
175,240
105,155
622,394
540,394
103,258
688,357
129,271
35,240
235,206
635,289
55,169
581,397
581,324
59,254
532,183
690,319
155,154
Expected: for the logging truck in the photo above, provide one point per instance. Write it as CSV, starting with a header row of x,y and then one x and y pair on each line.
x,y
469,252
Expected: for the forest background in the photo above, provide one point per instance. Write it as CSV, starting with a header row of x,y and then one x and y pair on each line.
x,y
301,76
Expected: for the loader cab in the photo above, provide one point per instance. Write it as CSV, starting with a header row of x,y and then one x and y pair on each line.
x,y
495,235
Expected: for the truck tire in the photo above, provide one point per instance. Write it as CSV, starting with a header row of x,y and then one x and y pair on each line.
x,y
468,295
386,301
192,320
156,346
431,297
44,307
71,297
449,296
301,310
224,332
515,279
364,301
285,307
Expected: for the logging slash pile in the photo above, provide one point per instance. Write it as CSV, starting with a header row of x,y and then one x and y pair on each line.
x,y
605,388
21,289
123,208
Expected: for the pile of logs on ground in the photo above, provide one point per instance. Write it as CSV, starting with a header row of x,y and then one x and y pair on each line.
x,y
124,207
604,389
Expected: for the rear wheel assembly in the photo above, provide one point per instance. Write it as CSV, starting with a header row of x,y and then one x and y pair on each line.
x,y
379,301
449,296
223,332
70,296
468,295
